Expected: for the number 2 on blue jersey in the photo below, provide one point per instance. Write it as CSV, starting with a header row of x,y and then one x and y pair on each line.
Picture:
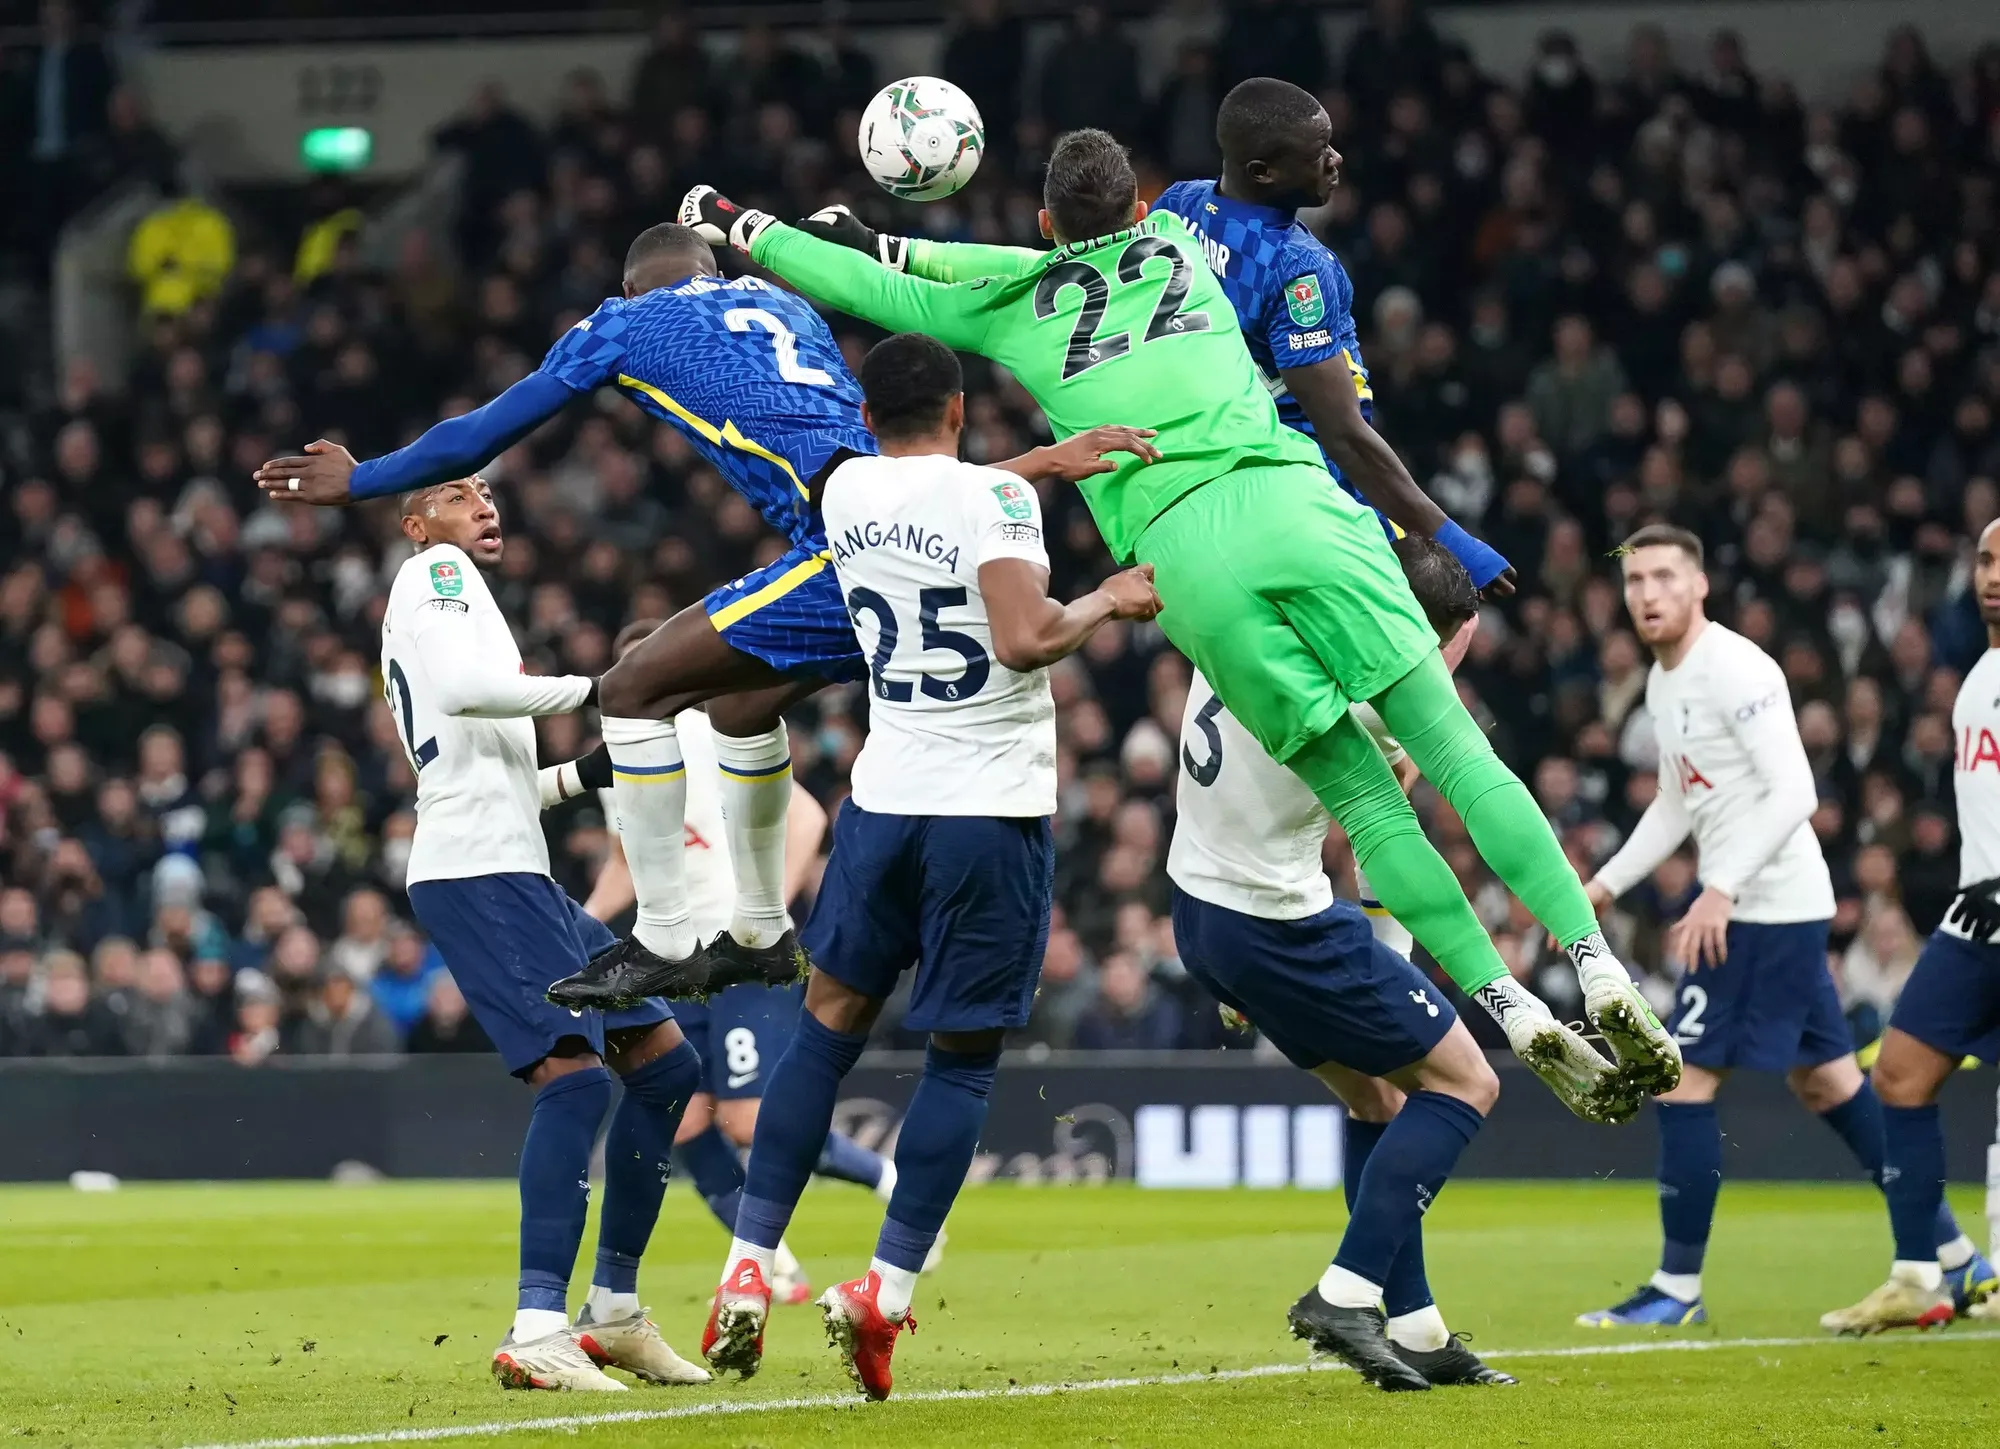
x,y
783,342
930,602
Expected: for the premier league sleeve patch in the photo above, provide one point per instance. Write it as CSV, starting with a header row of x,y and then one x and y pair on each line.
x,y
446,580
1305,301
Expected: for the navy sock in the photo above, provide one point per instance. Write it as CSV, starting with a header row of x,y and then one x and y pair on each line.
x,y
638,1159
1861,1123
1690,1178
1406,1170
849,1161
934,1150
1913,1179
555,1183
711,1163
1407,1288
792,1126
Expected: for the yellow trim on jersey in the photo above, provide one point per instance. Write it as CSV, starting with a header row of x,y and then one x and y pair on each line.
x,y
726,436
1362,389
783,584
1381,912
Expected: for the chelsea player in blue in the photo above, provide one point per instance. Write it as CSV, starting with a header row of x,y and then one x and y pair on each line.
x,y
753,378
1295,302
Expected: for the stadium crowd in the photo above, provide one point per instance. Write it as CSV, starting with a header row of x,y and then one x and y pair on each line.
x,y
1672,290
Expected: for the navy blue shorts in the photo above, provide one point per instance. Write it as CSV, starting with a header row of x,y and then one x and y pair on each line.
x,y
963,898
1952,999
506,939
791,615
740,1033
1769,1007
1321,989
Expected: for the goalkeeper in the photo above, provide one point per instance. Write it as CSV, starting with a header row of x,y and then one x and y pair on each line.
x,y
1281,589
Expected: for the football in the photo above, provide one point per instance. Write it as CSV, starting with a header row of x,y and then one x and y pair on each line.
x,y
921,138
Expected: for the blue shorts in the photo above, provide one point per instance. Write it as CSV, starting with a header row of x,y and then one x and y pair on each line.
x,y
1952,999
1769,1007
963,898
1321,989
740,1033
506,939
791,615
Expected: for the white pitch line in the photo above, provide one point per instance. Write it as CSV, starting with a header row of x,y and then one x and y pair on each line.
x,y
716,1408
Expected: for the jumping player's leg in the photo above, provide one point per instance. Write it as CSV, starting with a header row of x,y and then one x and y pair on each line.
x,y
754,756
1372,1104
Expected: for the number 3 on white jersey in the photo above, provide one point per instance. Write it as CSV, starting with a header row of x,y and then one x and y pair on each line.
x,y
742,319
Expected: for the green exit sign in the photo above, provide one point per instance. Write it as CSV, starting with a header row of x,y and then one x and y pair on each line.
x,y
336,148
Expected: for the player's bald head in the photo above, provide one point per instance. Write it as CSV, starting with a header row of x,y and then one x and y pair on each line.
x,y
1091,189
665,254
1276,144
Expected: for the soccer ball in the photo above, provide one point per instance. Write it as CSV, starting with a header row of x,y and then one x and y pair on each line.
x,y
921,138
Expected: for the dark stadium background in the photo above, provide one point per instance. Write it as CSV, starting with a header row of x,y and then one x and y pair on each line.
x,y
1666,284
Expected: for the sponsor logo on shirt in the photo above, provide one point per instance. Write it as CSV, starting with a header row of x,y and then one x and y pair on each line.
x,y
1020,532
446,580
1305,301
1014,500
1751,710
448,606
1976,750
1691,777
1300,341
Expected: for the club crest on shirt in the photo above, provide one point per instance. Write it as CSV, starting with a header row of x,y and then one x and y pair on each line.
x,y
1305,301
446,580
1014,500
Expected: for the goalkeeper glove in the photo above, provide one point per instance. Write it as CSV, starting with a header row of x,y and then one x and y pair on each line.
x,y
719,221
843,228
1977,909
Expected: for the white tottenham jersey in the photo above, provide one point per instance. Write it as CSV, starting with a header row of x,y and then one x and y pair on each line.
x,y
1732,770
1975,721
711,881
1249,832
452,675
951,730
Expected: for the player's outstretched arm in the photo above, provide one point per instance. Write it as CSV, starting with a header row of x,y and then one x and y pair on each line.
x,y
1658,835
466,681
839,277
1081,455
932,260
1326,391
327,473
1032,631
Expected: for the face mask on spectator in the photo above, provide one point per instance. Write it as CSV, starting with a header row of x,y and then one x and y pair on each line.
x,y
343,691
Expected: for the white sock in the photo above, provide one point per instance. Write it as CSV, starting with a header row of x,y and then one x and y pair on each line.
x,y
1504,996
898,1284
739,1250
756,800
1684,1286
534,1323
1388,930
782,1260
1594,962
1422,1330
1928,1276
604,1305
1955,1254
649,787
885,1186
1348,1290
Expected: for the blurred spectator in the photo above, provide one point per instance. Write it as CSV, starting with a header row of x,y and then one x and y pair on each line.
x,y
404,981
69,1021
162,1018
446,1025
985,55
341,1020
1131,1012
1090,77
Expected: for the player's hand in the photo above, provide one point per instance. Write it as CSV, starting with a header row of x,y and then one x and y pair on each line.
x,y
1082,454
319,475
1701,937
719,221
1132,593
843,228
1977,909
1502,587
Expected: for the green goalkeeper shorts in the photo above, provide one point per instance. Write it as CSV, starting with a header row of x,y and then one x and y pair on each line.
x,y
1287,597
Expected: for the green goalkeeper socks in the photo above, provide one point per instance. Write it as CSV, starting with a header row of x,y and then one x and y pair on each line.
x,y
1423,711
1409,877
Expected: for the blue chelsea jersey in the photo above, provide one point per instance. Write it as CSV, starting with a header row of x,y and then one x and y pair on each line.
x,y
1291,294
750,374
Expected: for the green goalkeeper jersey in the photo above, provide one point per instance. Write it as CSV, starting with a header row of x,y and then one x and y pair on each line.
x,y
1130,328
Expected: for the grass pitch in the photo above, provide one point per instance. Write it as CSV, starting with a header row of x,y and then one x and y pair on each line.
x,y
307,1314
